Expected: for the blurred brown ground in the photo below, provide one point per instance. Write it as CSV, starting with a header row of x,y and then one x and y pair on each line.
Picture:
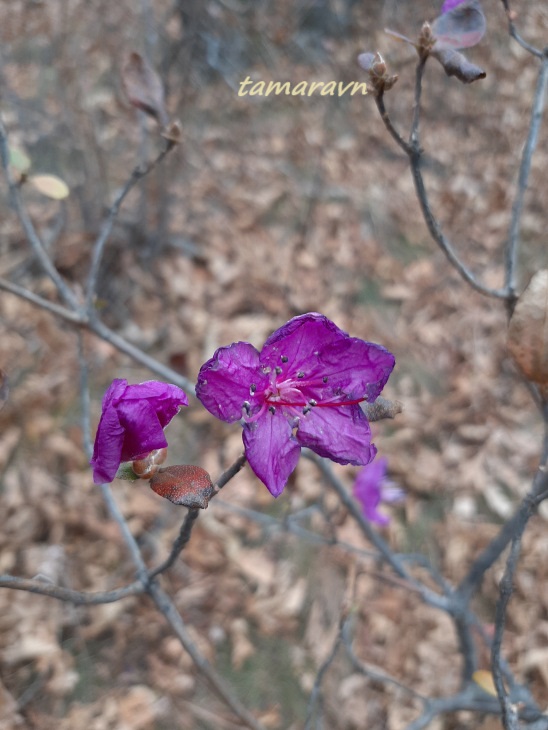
x,y
271,207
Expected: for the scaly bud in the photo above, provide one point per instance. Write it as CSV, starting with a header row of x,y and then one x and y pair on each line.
x,y
184,484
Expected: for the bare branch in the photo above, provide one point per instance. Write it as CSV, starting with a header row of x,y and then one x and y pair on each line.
x,y
315,695
516,36
509,711
396,136
33,238
179,544
99,246
101,330
371,673
512,245
167,373
229,473
167,607
509,530
395,562
80,598
414,152
192,516
57,309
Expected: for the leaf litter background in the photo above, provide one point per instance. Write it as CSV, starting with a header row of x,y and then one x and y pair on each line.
x,y
270,208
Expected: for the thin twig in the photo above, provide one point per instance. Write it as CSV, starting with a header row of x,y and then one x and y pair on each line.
x,y
516,36
191,517
168,609
165,372
229,474
512,246
162,600
74,317
315,695
371,673
289,525
182,539
33,238
396,136
99,246
397,565
80,598
509,710
496,547
413,151
94,325
414,135
509,713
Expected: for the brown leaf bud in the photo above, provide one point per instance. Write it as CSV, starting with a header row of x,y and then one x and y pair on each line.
x,y
425,40
378,67
184,484
378,73
173,132
528,330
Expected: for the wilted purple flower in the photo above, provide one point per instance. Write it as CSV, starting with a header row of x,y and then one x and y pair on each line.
x,y
302,389
372,487
132,424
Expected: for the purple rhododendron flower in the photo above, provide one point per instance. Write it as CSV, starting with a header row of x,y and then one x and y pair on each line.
x,y
372,487
303,389
132,424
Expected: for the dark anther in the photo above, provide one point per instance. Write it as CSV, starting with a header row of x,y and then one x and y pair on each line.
x,y
300,374
312,402
272,410
306,410
278,370
324,378
247,406
252,388
284,358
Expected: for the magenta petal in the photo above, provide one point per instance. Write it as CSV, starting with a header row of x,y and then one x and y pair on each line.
x,y
115,392
356,368
225,381
132,422
340,434
107,449
271,450
300,340
165,399
143,431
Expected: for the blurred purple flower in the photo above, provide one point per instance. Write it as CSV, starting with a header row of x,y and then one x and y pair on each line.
x,y
450,4
372,487
303,389
132,424
460,25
